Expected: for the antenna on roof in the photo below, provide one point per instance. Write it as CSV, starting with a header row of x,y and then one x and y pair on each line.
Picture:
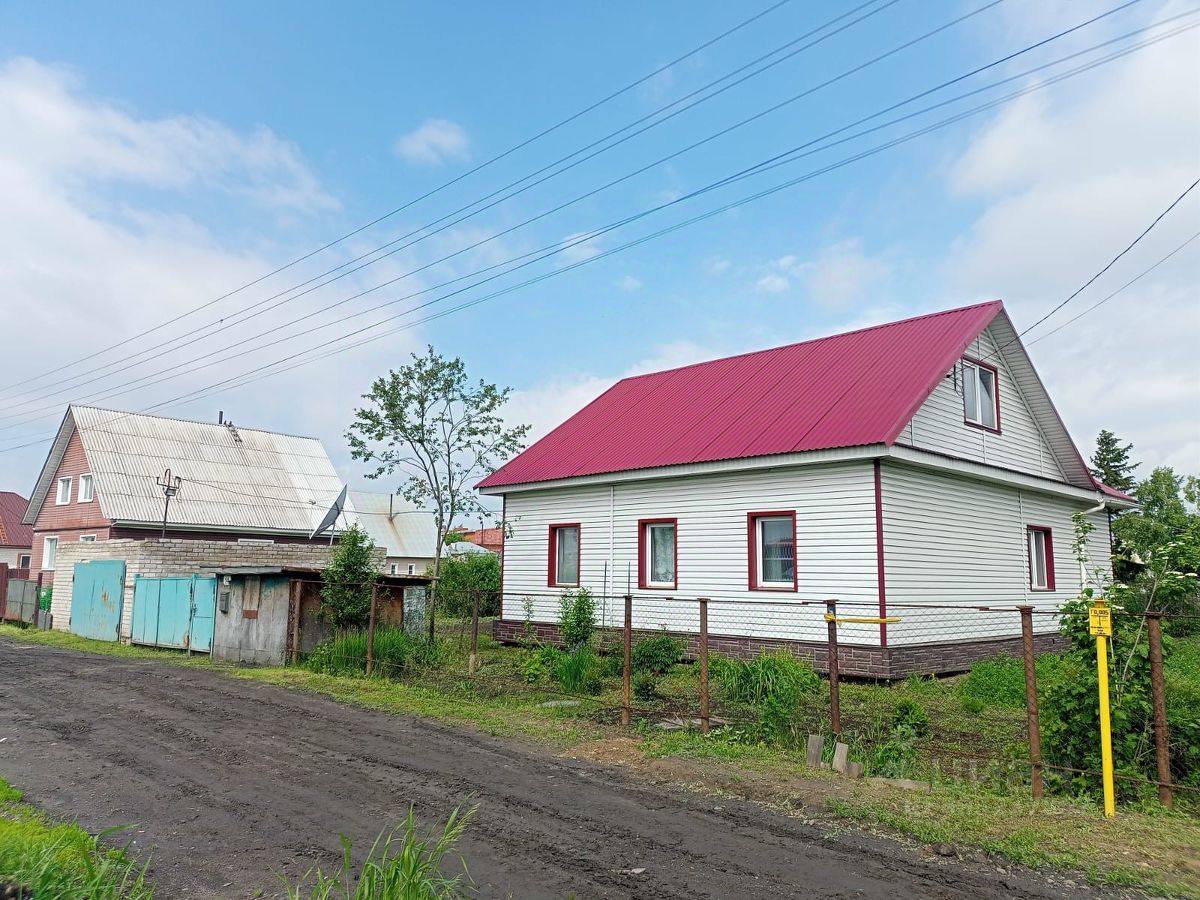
x,y
331,517
170,487
233,431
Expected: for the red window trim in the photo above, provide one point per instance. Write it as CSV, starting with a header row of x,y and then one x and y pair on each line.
x,y
752,550
552,565
1049,533
996,382
643,582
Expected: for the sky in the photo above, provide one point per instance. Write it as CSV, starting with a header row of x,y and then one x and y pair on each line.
x,y
158,163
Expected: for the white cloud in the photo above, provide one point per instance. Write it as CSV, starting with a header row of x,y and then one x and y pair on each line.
x,y
435,142
629,284
772,283
838,276
717,265
1068,178
578,247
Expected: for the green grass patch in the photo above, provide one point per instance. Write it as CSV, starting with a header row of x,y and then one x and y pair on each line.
x,y
61,861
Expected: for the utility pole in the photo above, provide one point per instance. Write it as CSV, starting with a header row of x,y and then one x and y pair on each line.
x,y
170,487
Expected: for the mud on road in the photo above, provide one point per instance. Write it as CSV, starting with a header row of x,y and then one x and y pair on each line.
x,y
232,783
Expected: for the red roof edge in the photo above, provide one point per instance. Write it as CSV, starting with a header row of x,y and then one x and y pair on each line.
x,y
1112,491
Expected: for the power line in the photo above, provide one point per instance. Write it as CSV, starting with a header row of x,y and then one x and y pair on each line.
x,y
116,390
222,323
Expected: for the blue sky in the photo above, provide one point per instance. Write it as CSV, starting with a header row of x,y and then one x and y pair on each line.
x,y
162,156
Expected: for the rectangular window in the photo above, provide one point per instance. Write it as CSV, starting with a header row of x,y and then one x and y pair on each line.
x,y
412,568
49,553
85,488
87,539
564,555
658,553
64,491
1041,558
981,395
393,569
772,538
24,560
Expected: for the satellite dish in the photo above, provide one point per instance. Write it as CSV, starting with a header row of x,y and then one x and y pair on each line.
x,y
331,517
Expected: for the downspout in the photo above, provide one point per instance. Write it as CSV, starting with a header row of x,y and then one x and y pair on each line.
x,y
1102,505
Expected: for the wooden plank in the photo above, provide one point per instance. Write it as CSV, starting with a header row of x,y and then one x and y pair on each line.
x,y
841,755
816,749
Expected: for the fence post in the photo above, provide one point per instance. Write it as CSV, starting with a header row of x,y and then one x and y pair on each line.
x,y
473,659
371,628
835,700
704,665
1031,701
626,671
1161,738
4,590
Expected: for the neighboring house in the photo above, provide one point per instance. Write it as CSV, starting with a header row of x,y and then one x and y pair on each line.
x,y
407,533
467,548
491,539
99,482
16,538
919,462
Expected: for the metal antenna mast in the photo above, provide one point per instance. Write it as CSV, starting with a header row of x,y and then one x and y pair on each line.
x,y
170,487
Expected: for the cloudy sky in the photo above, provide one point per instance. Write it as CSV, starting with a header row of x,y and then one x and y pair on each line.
x,y
158,164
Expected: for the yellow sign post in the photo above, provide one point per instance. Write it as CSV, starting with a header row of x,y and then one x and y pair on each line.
x,y
1100,626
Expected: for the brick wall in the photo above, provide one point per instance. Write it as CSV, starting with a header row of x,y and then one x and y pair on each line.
x,y
858,661
172,558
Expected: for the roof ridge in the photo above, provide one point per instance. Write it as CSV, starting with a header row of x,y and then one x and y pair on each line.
x,y
837,334
127,414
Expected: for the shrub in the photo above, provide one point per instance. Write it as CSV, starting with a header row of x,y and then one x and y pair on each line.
x,y
579,671
538,663
577,617
346,594
396,652
655,655
772,683
910,718
645,686
462,578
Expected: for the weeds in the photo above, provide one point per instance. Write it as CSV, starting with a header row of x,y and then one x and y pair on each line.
x,y
396,652
579,671
656,655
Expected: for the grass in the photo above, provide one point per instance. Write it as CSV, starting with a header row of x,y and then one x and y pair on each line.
x,y
1142,847
58,861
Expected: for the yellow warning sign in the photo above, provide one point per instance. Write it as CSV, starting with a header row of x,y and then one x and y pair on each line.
x,y
1100,621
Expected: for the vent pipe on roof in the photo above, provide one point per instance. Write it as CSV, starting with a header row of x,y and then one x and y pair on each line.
x,y
220,417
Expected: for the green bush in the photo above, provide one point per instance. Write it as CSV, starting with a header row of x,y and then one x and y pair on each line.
x,y
772,683
538,663
655,655
396,652
645,686
577,617
349,577
579,671
463,578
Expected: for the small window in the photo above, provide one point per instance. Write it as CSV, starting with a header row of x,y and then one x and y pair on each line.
x,y
24,561
981,399
87,539
773,551
85,488
64,491
564,555
1041,559
412,568
393,568
657,553
49,553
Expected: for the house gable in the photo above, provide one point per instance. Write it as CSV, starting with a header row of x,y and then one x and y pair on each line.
x,y
83,516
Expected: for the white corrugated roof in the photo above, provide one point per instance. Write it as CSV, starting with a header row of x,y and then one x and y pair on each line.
x,y
396,524
241,479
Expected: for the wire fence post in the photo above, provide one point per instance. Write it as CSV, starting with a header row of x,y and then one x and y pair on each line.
x,y
704,665
1031,701
626,670
835,700
371,628
1161,737
473,659
294,612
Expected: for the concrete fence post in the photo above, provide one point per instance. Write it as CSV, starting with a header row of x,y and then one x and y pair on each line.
x,y
1031,702
1162,752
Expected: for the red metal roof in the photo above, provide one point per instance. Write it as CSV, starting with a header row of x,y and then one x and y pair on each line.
x,y
12,532
847,390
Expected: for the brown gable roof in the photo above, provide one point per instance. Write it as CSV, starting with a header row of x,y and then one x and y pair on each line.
x,y
13,532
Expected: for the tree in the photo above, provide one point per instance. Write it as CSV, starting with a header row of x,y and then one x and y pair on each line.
x,y
429,422
1110,462
463,578
349,578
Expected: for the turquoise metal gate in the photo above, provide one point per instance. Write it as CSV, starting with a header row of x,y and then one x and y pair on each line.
x,y
174,612
97,596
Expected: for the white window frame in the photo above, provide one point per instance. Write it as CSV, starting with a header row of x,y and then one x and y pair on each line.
x,y
49,558
412,568
59,499
648,529
28,560
394,566
759,520
85,480
976,389
87,539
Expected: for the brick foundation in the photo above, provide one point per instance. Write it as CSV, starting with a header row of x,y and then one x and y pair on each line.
x,y
856,660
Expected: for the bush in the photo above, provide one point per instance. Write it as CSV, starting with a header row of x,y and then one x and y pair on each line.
x,y
579,671
577,617
772,683
655,655
462,578
538,664
396,652
645,686
346,594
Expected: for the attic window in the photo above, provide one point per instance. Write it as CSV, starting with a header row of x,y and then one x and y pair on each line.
x,y
981,394
64,492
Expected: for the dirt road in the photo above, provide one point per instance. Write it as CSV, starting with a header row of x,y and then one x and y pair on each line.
x,y
231,782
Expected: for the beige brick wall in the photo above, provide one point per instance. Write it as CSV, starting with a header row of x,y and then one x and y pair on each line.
x,y
172,557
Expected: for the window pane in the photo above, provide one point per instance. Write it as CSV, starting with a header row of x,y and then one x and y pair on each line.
x,y
49,553
64,490
777,550
662,554
566,565
970,397
987,397
1037,558
85,488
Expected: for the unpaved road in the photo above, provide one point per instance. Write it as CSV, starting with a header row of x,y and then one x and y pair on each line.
x,y
231,782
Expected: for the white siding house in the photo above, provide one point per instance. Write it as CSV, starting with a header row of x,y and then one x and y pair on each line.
x,y
916,471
